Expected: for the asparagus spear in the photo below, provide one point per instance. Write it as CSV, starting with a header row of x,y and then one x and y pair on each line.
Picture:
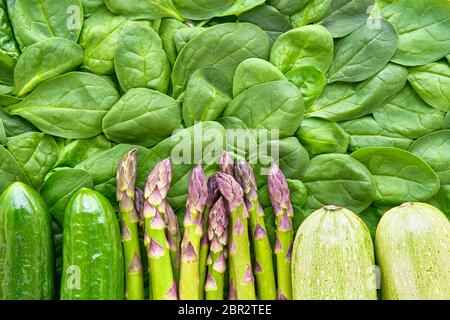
x,y
174,238
265,276
125,193
163,286
213,196
193,230
226,165
218,237
280,198
239,244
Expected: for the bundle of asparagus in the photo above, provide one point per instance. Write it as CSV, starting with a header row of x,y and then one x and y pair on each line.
x,y
224,230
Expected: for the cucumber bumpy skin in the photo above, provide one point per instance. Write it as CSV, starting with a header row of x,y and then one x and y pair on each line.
x,y
333,257
92,251
27,265
413,251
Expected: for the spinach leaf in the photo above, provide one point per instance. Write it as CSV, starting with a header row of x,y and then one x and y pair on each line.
x,y
363,53
241,6
202,9
269,19
345,16
90,7
322,136
3,138
306,46
77,151
289,7
167,31
44,60
371,216
224,46
252,72
140,60
36,20
442,200
407,115
207,94
36,153
14,126
103,168
60,186
446,124
289,154
310,81
366,132
144,9
266,105
338,179
434,149
423,28
69,106
432,84
312,12
99,39
9,51
184,35
343,101
143,117
185,154
10,170
6,100
400,176
6,69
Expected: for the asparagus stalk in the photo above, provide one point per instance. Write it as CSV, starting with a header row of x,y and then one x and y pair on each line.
x,y
280,198
239,244
213,196
265,276
226,165
174,238
163,286
193,230
125,193
218,237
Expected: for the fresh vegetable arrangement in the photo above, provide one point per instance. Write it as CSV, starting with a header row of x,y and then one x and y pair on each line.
x,y
224,149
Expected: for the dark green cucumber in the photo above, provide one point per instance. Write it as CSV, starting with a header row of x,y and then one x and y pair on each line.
x,y
26,246
92,250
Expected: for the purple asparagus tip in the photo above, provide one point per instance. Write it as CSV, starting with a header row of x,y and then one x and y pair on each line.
x,y
210,282
246,178
259,232
218,226
189,254
230,190
220,265
282,296
258,268
279,192
126,175
232,291
226,164
155,250
213,191
197,195
248,276
172,293
158,183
